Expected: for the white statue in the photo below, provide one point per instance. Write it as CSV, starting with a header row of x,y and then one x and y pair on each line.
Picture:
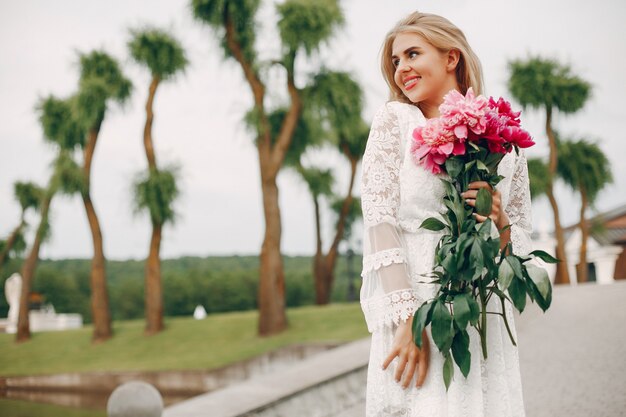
x,y
12,291
199,313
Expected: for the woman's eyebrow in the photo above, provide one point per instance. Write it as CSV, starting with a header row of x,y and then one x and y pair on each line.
x,y
407,50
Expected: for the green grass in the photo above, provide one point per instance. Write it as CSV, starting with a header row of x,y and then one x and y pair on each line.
x,y
218,340
14,408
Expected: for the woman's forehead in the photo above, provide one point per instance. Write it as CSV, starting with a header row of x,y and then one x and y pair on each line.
x,y
405,40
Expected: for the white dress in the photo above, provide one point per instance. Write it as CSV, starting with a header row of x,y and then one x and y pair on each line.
x,y
397,195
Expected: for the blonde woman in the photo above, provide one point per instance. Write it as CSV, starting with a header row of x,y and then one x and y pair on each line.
x,y
423,57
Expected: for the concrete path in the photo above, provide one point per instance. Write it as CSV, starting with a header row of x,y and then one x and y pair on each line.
x,y
572,359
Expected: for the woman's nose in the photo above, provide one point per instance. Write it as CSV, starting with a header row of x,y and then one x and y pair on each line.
x,y
403,66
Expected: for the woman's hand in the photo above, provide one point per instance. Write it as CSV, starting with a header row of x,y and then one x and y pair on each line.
x,y
409,355
497,215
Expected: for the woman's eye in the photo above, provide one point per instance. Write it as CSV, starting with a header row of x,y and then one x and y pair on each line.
x,y
413,54
395,62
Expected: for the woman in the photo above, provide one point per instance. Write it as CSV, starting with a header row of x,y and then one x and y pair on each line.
x,y
423,58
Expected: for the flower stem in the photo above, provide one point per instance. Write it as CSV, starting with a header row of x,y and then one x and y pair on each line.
x,y
483,327
506,322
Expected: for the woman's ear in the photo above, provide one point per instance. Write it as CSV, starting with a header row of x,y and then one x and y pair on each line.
x,y
453,59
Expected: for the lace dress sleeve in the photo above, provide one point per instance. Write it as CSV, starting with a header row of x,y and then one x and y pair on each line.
x,y
518,208
387,296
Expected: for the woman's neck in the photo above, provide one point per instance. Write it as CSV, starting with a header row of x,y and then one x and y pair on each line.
x,y
430,108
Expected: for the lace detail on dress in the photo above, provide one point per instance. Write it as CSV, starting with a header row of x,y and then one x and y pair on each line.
x,y
383,258
518,208
390,308
380,191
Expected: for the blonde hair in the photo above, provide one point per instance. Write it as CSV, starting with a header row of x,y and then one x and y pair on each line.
x,y
444,36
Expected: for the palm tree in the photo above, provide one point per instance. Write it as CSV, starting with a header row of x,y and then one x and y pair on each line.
x,y
586,169
545,84
28,195
538,173
337,100
164,57
101,81
302,26
61,129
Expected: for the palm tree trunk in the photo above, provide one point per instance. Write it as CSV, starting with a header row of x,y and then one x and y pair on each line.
x,y
272,317
319,265
28,272
562,274
154,292
326,269
99,293
11,240
153,287
582,270
147,131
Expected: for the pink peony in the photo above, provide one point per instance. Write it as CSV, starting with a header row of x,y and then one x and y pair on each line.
x,y
461,112
517,136
503,128
503,108
433,144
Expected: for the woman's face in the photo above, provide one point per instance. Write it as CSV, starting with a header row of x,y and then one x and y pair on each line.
x,y
423,73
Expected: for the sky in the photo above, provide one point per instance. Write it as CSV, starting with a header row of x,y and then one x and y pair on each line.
x,y
198,116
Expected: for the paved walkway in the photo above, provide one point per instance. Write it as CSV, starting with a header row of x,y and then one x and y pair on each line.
x,y
573,357
572,360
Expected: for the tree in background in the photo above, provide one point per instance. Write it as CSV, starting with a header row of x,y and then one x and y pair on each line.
x,y
583,167
303,26
29,195
101,81
336,101
586,169
546,84
538,173
156,191
61,129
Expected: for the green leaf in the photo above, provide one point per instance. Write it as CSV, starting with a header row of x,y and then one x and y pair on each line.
x,y
495,180
473,145
441,327
454,166
505,275
544,256
461,308
535,295
483,202
474,310
517,291
476,255
449,263
516,265
450,190
423,316
481,166
448,371
460,351
433,224
484,228
540,278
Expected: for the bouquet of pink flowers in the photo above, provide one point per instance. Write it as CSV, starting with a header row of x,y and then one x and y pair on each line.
x,y
467,142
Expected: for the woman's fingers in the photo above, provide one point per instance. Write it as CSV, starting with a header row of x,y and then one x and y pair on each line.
x,y
479,184
410,371
389,358
424,359
469,194
400,367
